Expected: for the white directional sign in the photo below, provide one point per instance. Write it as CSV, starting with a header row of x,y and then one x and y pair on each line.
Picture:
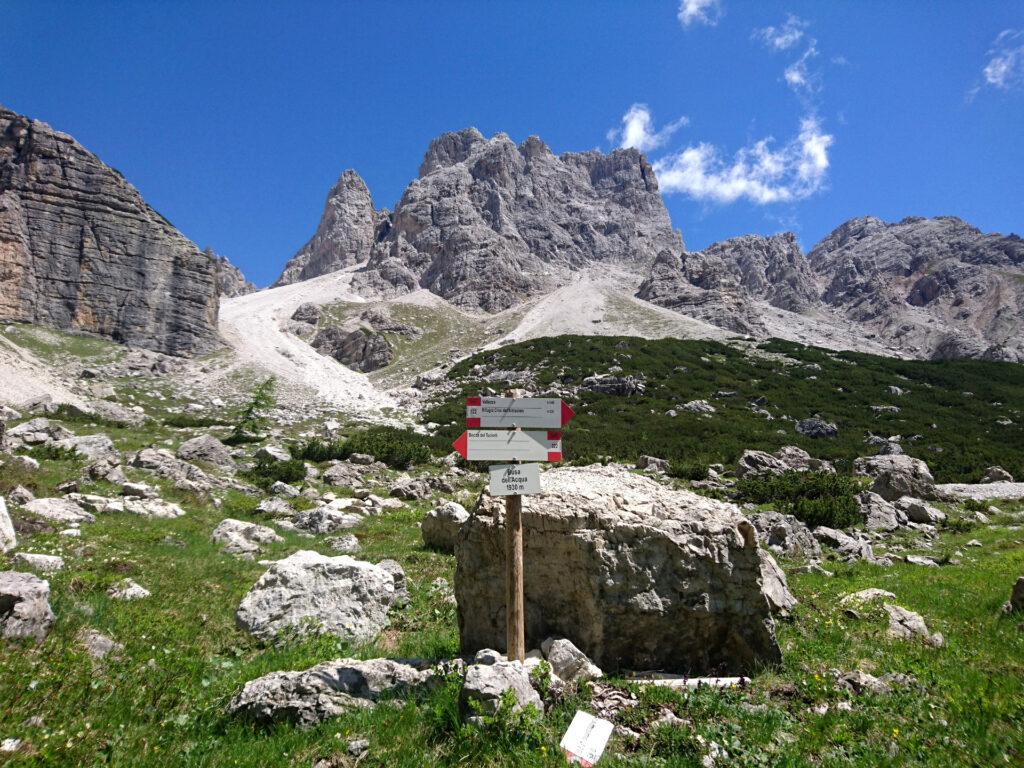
x,y
515,479
509,445
521,412
586,739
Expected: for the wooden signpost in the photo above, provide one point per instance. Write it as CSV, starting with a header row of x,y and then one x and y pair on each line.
x,y
496,434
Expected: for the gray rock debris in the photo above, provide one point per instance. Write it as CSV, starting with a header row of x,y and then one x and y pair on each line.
x,y
308,592
242,538
879,514
128,589
653,464
918,511
788,458
40,563
785,535
816,428
997,475
59,510
98,645
685,574
208,449
568,662
897,476
24,606
485,684
906,625
82,250
327,690
441,526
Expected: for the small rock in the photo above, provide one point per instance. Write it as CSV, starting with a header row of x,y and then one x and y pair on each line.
x,y
242,538
127,589
906,625
40,563
440,527
568,662
8,539
997,475
98,645
24,606
485,683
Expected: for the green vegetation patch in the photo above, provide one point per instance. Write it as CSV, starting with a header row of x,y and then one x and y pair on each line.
x,y
949,415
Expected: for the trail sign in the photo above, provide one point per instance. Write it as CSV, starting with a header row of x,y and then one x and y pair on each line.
x,y
584,742
513,479
521,412
509,445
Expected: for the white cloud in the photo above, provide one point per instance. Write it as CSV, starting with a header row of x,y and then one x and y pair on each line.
x,y
638,129
799,76
785,36
699,12
758,173
1005,67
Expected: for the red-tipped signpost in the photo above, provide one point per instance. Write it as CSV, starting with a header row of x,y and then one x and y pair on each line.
x,y
497,434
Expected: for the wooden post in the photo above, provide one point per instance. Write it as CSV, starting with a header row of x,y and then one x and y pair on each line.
x,y
515,618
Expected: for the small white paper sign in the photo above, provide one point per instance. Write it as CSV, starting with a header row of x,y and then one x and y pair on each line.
x,y
586,739
513,479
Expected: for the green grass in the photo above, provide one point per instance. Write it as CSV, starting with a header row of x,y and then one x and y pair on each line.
x,y
795,382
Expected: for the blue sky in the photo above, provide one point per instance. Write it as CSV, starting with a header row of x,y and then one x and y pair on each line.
x,y
234,119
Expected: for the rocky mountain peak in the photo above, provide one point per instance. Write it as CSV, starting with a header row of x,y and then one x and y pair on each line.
x,y
344,236
80,249
449,149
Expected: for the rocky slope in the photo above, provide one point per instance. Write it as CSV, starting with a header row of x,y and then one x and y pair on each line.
x,y
927,288
80,249
348,229
938,288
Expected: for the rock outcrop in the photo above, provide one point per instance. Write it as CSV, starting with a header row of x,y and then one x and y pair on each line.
x,y
489,224
345,235
81,250
230,280
937,288
927,288
636,575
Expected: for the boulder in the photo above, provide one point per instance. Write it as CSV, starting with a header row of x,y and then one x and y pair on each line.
x,y
918,511
156,508
568,662
208,449
59,510
879,514
788,458
184,476
327,519
785,535
621,386
896,476
307,312
847,547
441,526
906,625
20,495
8,539
92,447
484,685
775,586
346,545
652,464
24,606
272,453
39,431
401,585
702,407
636,574
242,538
308,592
115,413
310,696
816,428
997,475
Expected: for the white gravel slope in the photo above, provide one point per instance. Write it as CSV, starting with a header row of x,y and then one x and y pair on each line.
x,y
24,377
253,326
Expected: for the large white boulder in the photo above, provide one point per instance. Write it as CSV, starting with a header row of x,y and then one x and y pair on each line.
x,y
92,447
636,574
309,592
896,476
209,449
59,510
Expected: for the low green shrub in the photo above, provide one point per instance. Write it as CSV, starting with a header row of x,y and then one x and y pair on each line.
x,y
185,421
815,498
50,452
266,472
688,470
397,448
